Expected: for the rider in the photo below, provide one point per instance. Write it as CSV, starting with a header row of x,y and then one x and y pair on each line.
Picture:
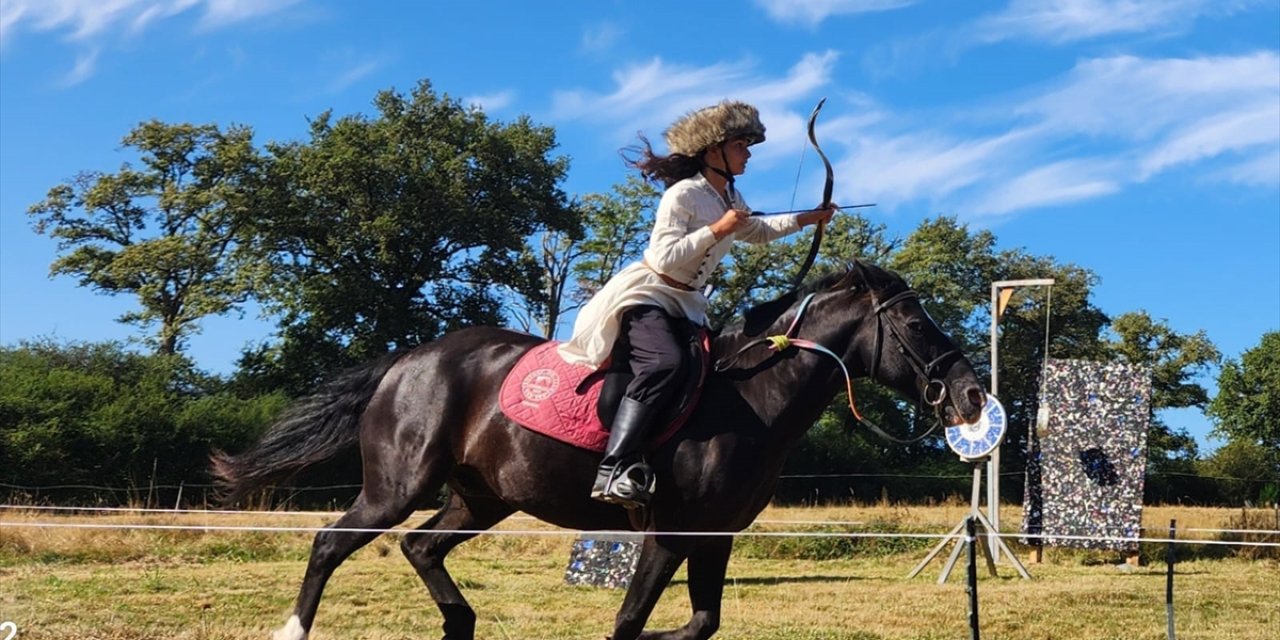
x,y
698,218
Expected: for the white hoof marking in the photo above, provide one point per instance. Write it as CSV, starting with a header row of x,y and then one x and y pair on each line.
x,y
292,631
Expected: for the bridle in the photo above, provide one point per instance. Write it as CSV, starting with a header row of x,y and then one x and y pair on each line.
x,y
933,390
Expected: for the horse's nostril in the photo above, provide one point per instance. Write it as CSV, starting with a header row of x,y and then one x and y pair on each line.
x,y
977,397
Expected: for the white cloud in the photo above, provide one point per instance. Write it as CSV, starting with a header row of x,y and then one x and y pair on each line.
x,y
490,102
601,36
219,13
930,164
88,22
85,20
1166,113
83,69
1262,170
813,12
353,74
1237,130
1061,21
649,96
1052,184
1138,97
1106,125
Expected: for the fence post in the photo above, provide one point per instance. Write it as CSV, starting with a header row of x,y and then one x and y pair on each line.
x,y
972,535
1170,558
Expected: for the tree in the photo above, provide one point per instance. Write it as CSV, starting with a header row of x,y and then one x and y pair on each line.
x,y
394,229
1247,407
756,273
98,414
575,264
617,233
1243,470
1175,360
165,232
950,267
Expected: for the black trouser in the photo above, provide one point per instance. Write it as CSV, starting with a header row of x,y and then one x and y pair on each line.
x,y
653,350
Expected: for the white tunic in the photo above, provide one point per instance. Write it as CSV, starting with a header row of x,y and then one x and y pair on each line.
x,y
681,247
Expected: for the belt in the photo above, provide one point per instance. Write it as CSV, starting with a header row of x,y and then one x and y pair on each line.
x,y
668,280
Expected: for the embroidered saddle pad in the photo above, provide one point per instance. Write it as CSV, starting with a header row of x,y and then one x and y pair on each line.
x,y
543,393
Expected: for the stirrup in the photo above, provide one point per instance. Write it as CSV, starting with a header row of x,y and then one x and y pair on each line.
x,y
630,485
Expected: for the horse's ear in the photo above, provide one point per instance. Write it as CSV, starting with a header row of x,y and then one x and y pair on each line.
x,y
855,277
759,318
849,280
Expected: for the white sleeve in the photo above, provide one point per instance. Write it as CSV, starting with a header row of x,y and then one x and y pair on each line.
x,y
675,241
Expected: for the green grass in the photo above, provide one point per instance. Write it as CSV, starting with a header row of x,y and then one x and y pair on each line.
x,y
198,585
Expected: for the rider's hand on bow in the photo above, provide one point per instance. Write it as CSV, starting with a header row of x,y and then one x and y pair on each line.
x,y
731,221
819,215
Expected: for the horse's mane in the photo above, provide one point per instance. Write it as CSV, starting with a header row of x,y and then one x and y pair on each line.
x,y
760,317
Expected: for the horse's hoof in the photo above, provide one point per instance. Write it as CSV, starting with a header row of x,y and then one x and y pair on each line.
x,y
292,630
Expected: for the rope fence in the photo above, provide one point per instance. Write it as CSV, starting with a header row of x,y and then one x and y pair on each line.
x,y
48,517
574,532
795,476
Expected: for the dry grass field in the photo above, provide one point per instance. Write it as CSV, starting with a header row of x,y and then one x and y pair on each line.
x,y
90,580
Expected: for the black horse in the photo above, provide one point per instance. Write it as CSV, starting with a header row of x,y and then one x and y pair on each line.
x,y
429,417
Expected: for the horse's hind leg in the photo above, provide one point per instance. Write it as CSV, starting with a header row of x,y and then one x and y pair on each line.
x,y
426,548
357,527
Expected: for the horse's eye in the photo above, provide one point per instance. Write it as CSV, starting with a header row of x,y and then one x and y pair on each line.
x,y
916,326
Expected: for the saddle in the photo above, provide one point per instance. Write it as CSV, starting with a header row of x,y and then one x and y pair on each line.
x,y
573,403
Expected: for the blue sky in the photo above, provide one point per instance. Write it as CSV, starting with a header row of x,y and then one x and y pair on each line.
x,y
1139,139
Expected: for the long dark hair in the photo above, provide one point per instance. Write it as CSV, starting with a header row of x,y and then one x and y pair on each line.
x,y
667,170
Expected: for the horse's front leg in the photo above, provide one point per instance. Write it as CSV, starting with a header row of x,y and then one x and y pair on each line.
x,y
708,560
660,556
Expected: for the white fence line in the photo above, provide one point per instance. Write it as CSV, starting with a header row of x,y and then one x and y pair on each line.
x,y
566,532
834,523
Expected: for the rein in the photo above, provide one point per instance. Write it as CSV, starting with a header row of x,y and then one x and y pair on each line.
x,y
934,393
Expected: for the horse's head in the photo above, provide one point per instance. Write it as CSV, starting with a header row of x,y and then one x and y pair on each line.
x,y
901,347
876,322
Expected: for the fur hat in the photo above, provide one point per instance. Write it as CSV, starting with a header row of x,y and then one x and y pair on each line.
x,y
729,120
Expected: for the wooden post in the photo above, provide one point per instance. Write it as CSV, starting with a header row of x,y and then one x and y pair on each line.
x,y
1134,558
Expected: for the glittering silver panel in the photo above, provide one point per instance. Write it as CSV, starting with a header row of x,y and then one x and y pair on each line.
x,y
1087,463
603,561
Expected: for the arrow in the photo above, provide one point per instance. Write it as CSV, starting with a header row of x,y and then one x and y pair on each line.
x,y
778,213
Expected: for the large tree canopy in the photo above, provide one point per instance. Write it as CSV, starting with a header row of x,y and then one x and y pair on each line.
x,y
395,228
164,232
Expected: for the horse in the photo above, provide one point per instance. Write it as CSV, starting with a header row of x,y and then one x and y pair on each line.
x,y
428,417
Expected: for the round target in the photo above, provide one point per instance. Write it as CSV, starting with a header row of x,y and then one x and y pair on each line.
x,y
977,440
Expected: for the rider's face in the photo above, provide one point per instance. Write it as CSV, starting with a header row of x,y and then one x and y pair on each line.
x,y
734,152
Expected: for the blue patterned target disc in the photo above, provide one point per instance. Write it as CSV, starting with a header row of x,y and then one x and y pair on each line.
x,y
977,440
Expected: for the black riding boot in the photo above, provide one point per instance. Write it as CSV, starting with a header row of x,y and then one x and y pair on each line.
x,y
623,477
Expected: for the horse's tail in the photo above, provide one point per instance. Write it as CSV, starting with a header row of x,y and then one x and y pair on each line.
x,y
315,429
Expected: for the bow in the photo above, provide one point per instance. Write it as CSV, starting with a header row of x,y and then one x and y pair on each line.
x,y
826,198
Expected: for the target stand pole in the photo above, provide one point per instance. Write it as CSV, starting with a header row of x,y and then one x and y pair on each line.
x,y
956,536
976,443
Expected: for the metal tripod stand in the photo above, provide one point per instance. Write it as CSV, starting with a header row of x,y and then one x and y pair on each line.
x,y
958,537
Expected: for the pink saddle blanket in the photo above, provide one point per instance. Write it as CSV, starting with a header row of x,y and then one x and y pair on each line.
x,y
542,394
